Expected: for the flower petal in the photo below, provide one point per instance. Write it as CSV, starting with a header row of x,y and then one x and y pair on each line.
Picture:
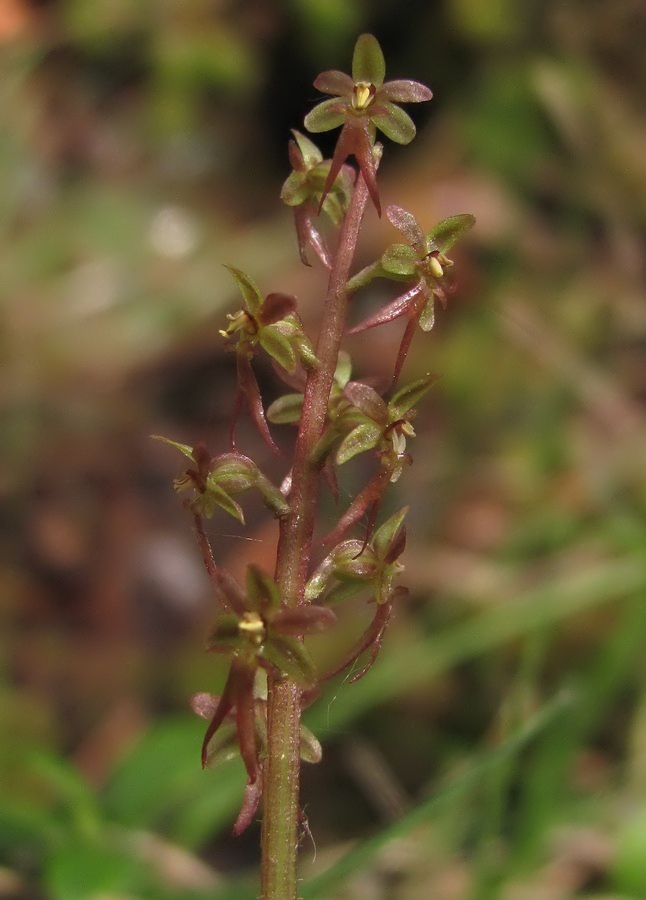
x,y
399,259
394,122
278,347
277,306
387,537
366,399
295,189
368,62
286,410
262,592
310,153
249,290
399,307
289,656
361,439
306,619
406,397
406,222
326,115
447,232
339,84
405,91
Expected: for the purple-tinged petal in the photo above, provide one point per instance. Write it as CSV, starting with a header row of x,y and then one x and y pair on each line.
x,y
308,234
368,62
306,619
405,91
339,84
246,721
370,639
393,310
406,222
404,347
365,502
276,306
249,386
224,706
250,803
366,399
364,155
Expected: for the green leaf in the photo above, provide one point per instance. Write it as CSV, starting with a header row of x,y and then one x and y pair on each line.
x,y
362,438
406,397
286,410
278,347
399,259
249,290
368,62
447,232
394,123
326,115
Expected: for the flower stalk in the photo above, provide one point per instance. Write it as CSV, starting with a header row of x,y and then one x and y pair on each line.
x,y
261,626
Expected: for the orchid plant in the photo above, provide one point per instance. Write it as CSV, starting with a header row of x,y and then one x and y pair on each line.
x,y
261,627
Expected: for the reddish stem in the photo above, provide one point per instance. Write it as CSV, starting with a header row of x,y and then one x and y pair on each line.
x,y
281,776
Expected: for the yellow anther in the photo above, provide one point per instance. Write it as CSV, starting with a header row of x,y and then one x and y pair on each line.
x,y
252,627
435,267
364,91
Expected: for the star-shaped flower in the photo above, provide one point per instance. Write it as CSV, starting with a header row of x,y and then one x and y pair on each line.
x,y
257,632
355,565
271,323
361,104
423,258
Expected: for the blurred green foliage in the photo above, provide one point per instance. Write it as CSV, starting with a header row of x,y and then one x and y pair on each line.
x,y
142,146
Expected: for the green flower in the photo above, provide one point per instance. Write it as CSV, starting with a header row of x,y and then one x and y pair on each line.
x,y
361,104
271,323
422,258
257,632
356,565
216,479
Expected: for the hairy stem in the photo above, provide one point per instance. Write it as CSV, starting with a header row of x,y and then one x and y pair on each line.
x,y
281,806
